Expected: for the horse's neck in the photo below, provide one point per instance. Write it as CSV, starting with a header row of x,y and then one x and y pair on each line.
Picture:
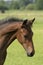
x,y
6,39
9,27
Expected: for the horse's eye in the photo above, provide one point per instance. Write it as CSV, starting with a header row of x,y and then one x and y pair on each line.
x,y
25,36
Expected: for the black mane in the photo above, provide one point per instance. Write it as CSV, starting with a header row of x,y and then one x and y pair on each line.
x,y
10,20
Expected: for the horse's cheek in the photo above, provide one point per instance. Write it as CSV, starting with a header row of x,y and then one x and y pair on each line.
x,y
20,38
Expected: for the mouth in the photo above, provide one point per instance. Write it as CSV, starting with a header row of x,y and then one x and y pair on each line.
x,y
30,54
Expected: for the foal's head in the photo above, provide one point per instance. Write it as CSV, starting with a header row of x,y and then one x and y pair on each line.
x,y
25,35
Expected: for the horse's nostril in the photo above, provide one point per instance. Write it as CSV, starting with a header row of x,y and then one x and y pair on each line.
x,y
31,54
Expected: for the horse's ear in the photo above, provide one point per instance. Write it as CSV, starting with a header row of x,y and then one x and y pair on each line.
x,y
33,20
25,21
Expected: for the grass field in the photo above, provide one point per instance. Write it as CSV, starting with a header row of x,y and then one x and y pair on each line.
x,y
16,54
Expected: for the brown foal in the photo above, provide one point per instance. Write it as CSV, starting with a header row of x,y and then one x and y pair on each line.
x,y
12,29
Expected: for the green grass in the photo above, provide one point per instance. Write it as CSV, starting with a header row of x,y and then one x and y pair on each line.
x,y
16,53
